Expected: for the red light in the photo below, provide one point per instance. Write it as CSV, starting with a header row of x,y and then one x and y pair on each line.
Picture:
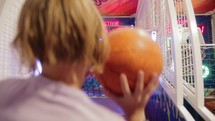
x,y
182,21
202,28
115,23
99,2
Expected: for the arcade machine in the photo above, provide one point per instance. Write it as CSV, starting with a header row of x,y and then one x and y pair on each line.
x,y
181,95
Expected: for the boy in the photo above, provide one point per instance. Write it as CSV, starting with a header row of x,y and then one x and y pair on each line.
x,y
68,38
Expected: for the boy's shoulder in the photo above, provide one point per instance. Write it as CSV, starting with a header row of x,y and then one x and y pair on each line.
x,y
10,83
10,88
40,98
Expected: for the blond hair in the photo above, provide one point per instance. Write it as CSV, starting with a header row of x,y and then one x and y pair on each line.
x,y
61,31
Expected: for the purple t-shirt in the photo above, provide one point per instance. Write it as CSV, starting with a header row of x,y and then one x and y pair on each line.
x,y
41,99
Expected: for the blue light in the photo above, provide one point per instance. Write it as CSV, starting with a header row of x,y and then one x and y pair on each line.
x,y
205,71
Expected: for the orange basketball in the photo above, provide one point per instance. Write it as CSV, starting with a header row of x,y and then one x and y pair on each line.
x,y
131,50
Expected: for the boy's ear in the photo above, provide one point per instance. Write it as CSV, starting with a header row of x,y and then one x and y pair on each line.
x,y
91,69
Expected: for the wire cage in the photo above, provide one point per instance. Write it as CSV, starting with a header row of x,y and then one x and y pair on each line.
x,y
9,64
187,45
160,16
190,40
156,18
179,40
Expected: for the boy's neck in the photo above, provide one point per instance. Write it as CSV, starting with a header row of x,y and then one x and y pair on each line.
x,y
66,73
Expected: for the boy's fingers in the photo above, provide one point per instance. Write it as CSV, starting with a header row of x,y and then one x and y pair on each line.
x,y
140,84
124,85
150,89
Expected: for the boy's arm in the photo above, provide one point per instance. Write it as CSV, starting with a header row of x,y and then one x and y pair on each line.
x,y
134,104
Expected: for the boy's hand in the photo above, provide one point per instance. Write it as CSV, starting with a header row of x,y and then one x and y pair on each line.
x,y
134,103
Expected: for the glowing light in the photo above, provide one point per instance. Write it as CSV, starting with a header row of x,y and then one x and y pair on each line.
x,y
112,23
106,30
38,69
205,71
202,28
